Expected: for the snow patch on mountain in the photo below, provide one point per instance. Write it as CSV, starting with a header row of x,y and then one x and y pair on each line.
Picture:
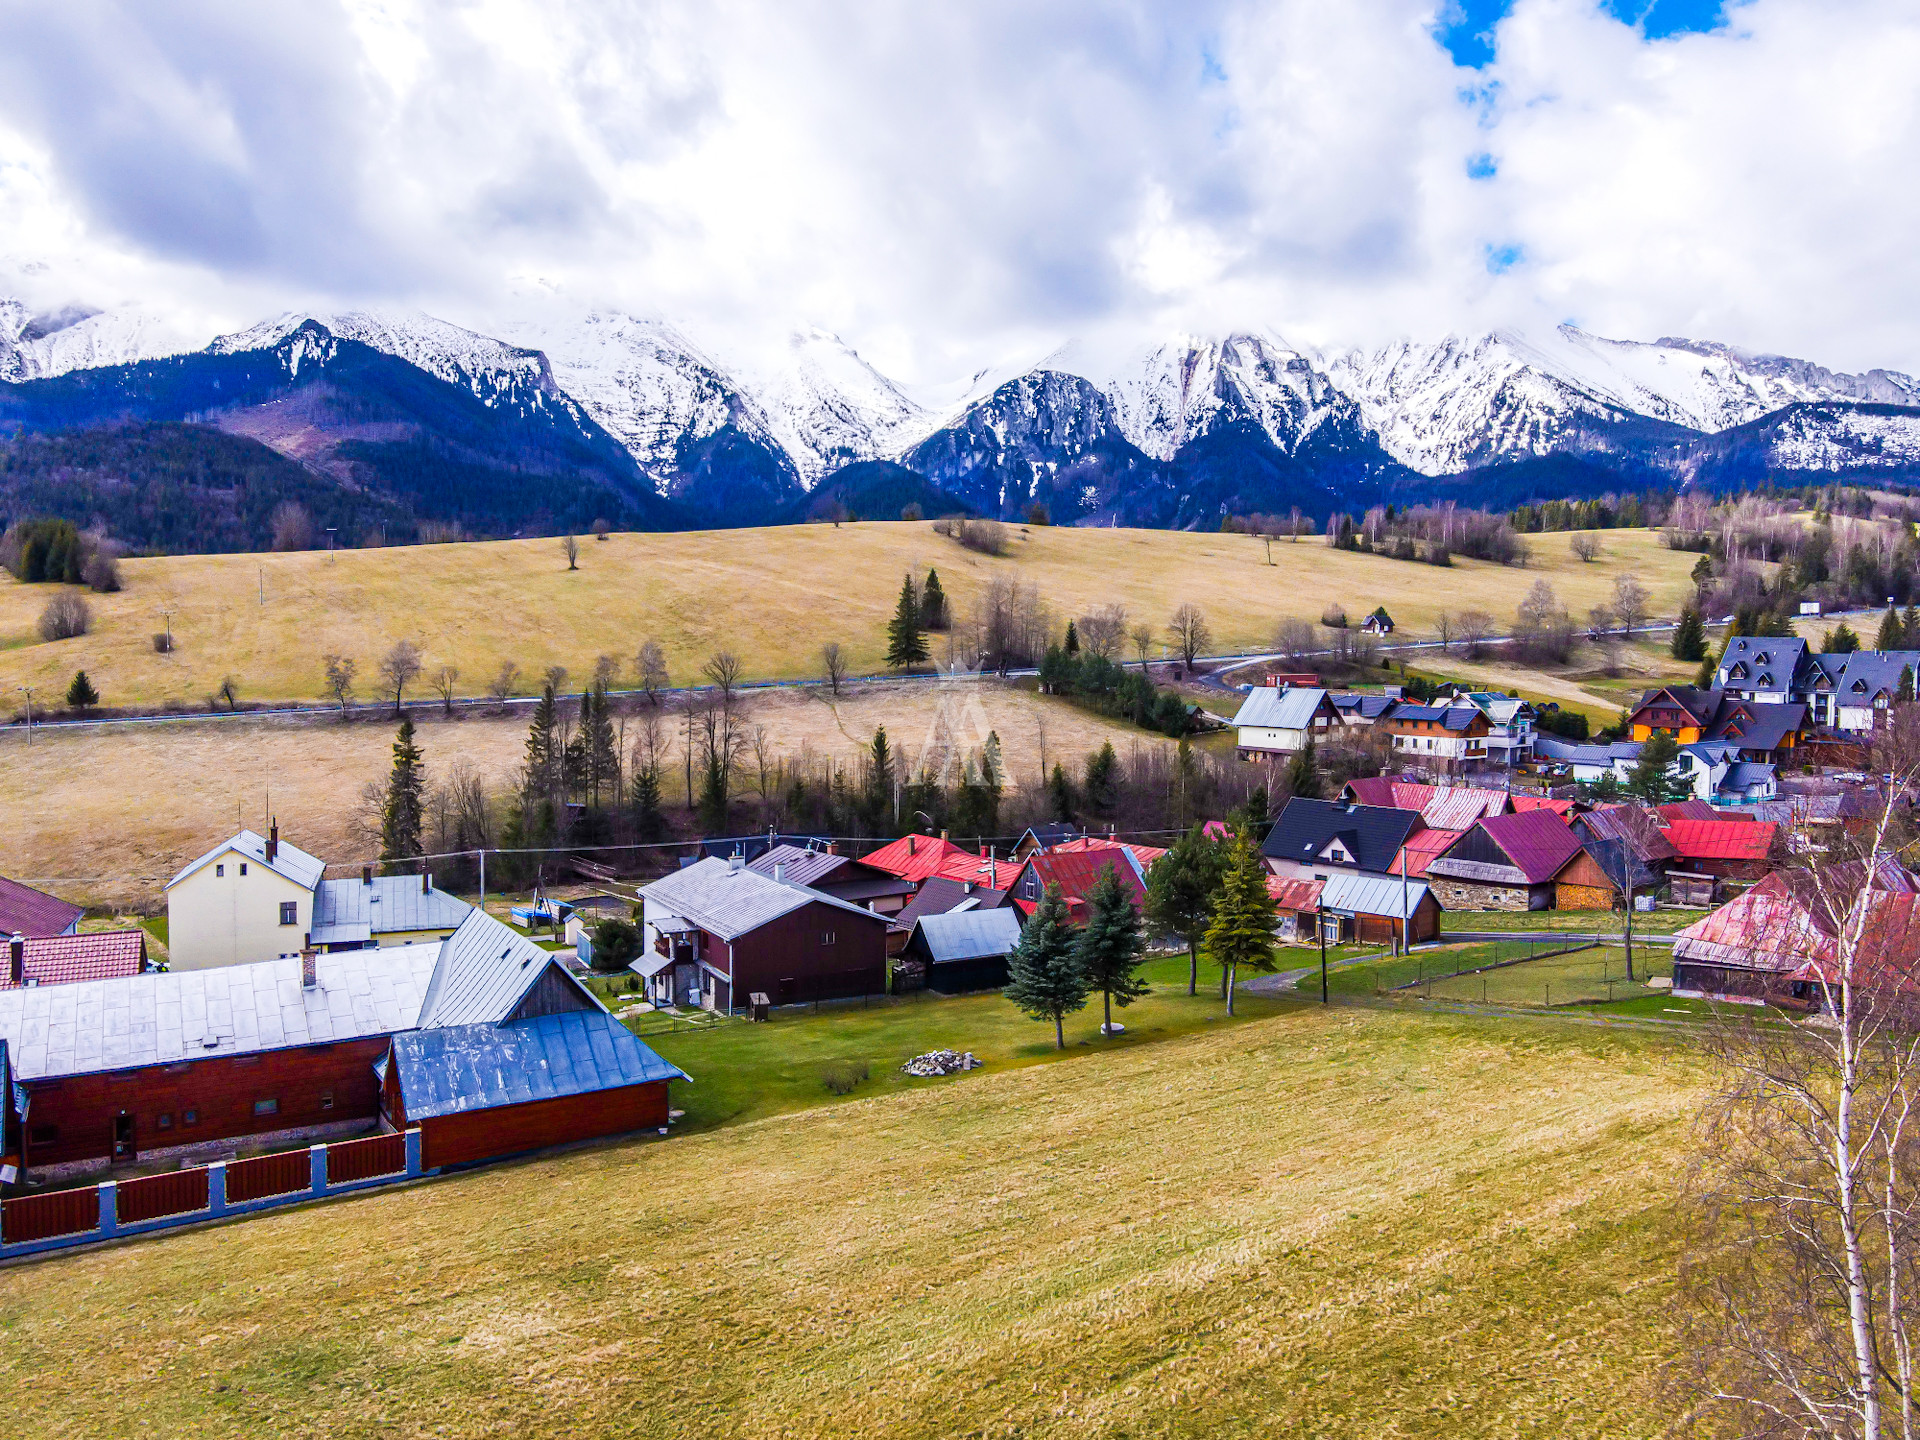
x,y
36,347
1840,437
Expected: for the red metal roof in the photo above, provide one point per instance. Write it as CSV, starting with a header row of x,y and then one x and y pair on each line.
x,y
1421,850
1523,803
1686,810
1538,842
65,959
915,857
979,870
1299,896
1145,854
1075,875
27,911
1450,807
1786,923
1721,839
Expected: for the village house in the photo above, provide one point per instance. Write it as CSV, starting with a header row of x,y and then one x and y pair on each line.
x,y
1761,668
716,933
1378,623
1043,837
1682,712
282,1050
34,913
841,876
1505,862
1588,764
918,858
938,895
1363,712
1852,693
1075,873
69,959
1444,807
1317,839
1451,738
964,950
1277,724
1510,733
257,897
1355,909
1729,850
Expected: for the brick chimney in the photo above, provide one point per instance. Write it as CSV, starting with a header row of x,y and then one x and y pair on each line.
x,y
273,841
308,954
426,882
366,875
910,843
17,960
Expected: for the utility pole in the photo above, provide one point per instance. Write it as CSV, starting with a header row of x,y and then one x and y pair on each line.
x,y
483,880
332,530
263,587
29,690
1320,924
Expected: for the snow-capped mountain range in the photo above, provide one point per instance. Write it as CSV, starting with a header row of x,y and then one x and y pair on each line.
x,y
1163,430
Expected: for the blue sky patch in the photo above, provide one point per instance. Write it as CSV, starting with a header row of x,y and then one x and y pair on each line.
x,y
1465,30
1482,166
1502,258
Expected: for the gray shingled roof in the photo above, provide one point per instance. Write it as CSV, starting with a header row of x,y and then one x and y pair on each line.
x,y
1273,709
1770,662
476,1067
729,903
291,861
390,903
1868,672
1552,747
969,934
160,1018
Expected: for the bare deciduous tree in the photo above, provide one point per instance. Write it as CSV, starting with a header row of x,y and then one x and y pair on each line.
x,y
1188,628
1104,631
1473,627
556,678
1443,631
606,672
650,666
506,680
1630,602
1142,637
399,667
1294,639
833,664
1542,628
1585,545
292,526
444,679
340,671
570,547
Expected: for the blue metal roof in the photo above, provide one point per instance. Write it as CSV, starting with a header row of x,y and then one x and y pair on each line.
x,y
478,1067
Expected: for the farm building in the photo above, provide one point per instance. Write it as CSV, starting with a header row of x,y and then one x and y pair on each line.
x,y
69,959
718,933
1505,862
1314,839
118,1068
1603,876
1370,909
484,1090
1421,850
964,950
34,913
939,896
1075,874
1739,850
841,876
1275,724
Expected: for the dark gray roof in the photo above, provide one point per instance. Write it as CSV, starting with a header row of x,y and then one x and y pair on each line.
x,y
1372,833
938,895
1367,707
1576,753
390,903
1760,725
969,934
803,867
1868,672
1454,717
1747,772
477,1067
1769,662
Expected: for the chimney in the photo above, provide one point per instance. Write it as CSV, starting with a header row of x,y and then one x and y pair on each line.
x,y
273,841
426,882
735,861
17,960
910,843
943,834
308,979
779,871
366,875
833,847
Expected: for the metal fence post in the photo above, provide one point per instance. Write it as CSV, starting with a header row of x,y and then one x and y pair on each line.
x,y
217,1188
317,1169
109,1207
413,1152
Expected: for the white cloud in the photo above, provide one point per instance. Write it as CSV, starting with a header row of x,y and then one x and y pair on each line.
x,y
946,185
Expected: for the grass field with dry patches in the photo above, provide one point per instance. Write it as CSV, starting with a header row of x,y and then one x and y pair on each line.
x,y
1340,1224
106,814
772,597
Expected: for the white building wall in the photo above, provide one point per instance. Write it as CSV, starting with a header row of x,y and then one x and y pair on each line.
x,y
218,916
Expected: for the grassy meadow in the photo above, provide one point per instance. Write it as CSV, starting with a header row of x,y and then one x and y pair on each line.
x,y
1339,1223
106,814
772,597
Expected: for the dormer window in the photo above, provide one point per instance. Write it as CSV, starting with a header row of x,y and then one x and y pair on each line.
x,y
1764,658
1738,672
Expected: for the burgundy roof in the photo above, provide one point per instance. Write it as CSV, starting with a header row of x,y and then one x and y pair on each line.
x,y
1785,922
1538,842
1422,850
64,959
1634,824
26,911
1686,810
1075,875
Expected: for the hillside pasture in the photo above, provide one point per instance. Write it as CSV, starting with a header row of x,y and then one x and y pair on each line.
x,y
772,597
1324,1223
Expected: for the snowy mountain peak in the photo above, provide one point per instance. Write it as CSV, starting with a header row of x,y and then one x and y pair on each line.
x,y
827,407
37,346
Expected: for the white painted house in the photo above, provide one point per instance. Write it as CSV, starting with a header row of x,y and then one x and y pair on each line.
x,y
1276,723
257,898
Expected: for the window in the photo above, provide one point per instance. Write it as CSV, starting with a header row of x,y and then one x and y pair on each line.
x,y
189,1117
289,912
243,867
826,937
326,1099
266,1107
219,871
165,1122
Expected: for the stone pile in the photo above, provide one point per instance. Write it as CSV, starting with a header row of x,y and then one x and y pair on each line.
x,y
941,1062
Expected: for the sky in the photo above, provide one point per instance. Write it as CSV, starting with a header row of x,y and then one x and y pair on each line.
x,y
946,186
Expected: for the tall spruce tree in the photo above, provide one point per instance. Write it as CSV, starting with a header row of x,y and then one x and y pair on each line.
x,y
1181,889
405,810
1904,692
1653,777
1910,627
933,603
1840,641
649,821
1303,772
1244,916
880,781
906,641
1689,640
80,694
1112,945
603,749
537,782
1060,794
1101,767
1044,978
1892,633
1072,647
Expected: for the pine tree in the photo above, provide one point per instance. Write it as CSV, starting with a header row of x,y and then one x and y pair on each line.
x,y
1100,788
933,603
1072,647
1060,793
1653,779
1112,945
906,642
1044,978
1891,633
402,816
1689,637
1244,916
537,783
880,781
649,822
80,694
1910,627
1180,893
1904,694
1303,772
1704,677
713,794
603,750
1840,641
1702,574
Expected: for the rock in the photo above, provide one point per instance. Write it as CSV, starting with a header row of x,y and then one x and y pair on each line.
x,y
940,1062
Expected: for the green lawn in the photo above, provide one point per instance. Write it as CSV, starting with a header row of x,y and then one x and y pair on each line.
x,y
1586,922
1583,978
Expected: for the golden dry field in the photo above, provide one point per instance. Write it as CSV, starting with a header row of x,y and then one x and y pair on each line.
x,y
105,814
772,597
1345,1223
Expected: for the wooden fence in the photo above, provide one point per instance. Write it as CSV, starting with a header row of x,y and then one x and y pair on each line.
x,y
41,1217
352,1160
267,1175
181,1193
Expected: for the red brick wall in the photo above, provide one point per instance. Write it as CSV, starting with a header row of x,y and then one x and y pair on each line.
x,y
221,1090
511,1129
